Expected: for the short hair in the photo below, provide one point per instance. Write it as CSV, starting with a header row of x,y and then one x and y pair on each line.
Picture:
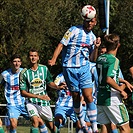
x,y
33,50
14,56
111,41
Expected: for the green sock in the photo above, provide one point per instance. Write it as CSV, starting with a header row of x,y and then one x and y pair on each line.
x,y
1,130
34,130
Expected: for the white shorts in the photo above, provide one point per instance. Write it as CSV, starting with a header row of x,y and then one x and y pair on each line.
x,y
116,114
44,112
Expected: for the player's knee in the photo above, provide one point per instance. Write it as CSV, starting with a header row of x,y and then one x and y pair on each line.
x,y
88,98
13,125
0,123
125,128
35,122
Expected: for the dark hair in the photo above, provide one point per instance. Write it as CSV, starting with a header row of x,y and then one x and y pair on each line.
x,y
15,56
111,41
33,50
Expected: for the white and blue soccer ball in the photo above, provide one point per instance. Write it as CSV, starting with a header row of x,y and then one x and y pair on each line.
x,y
88,12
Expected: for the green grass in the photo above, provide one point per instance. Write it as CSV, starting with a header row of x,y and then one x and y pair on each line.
x,y
24,129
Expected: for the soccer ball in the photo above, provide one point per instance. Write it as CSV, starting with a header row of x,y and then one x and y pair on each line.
x,y
88,12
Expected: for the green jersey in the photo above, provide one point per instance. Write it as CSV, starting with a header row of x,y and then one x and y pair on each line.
x,y
35,81
107,66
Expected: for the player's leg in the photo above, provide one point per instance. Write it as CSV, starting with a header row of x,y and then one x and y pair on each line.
x,y
71,76
103,119
125,128
13,114
118,115
86,85
60,116
36,120
121,117
46,114
42,126
78,126
105,128
1,128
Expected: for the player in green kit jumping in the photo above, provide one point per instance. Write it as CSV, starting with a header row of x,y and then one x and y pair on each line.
x,y
33,83
111,94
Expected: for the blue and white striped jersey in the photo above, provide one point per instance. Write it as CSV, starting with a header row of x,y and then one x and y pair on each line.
x,y
78,44
94,80
11,84
64,96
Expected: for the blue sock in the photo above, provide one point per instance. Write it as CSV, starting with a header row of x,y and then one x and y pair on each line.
x,y
43,129
114,131
12,130
79,112
92,114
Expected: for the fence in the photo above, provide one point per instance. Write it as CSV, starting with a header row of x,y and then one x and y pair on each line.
x,y
69,121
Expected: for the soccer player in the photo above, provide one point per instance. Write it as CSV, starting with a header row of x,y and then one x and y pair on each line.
x,y
77,46
15,102
64,107
33,83
64,104
110,94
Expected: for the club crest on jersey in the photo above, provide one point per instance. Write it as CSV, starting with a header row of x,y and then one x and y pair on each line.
x,y
67,34
36,82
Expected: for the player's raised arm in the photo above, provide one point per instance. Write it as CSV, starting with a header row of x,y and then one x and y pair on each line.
x,y
55,55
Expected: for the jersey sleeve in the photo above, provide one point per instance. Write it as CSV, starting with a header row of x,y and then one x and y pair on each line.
x,y
22,80
113,67
67,36
49,77
59,79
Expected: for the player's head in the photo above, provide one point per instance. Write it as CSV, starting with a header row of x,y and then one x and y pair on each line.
x,y
111,41
16,61
102,49
33,56
88,14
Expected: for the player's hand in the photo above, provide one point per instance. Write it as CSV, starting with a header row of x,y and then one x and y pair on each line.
x,y
97,42
122,86
51,62
62,86
44,97
124,94
129,86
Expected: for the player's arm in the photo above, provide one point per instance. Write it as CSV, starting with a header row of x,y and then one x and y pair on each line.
x,y
128,85
94,53
24,93
55,55
114,85
131,71
63,86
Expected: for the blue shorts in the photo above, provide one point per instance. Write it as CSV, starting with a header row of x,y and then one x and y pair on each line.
x,y
16,111
78,78
65,112
7,121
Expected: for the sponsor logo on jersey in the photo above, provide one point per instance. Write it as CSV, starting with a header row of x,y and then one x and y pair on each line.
x,y
36,82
